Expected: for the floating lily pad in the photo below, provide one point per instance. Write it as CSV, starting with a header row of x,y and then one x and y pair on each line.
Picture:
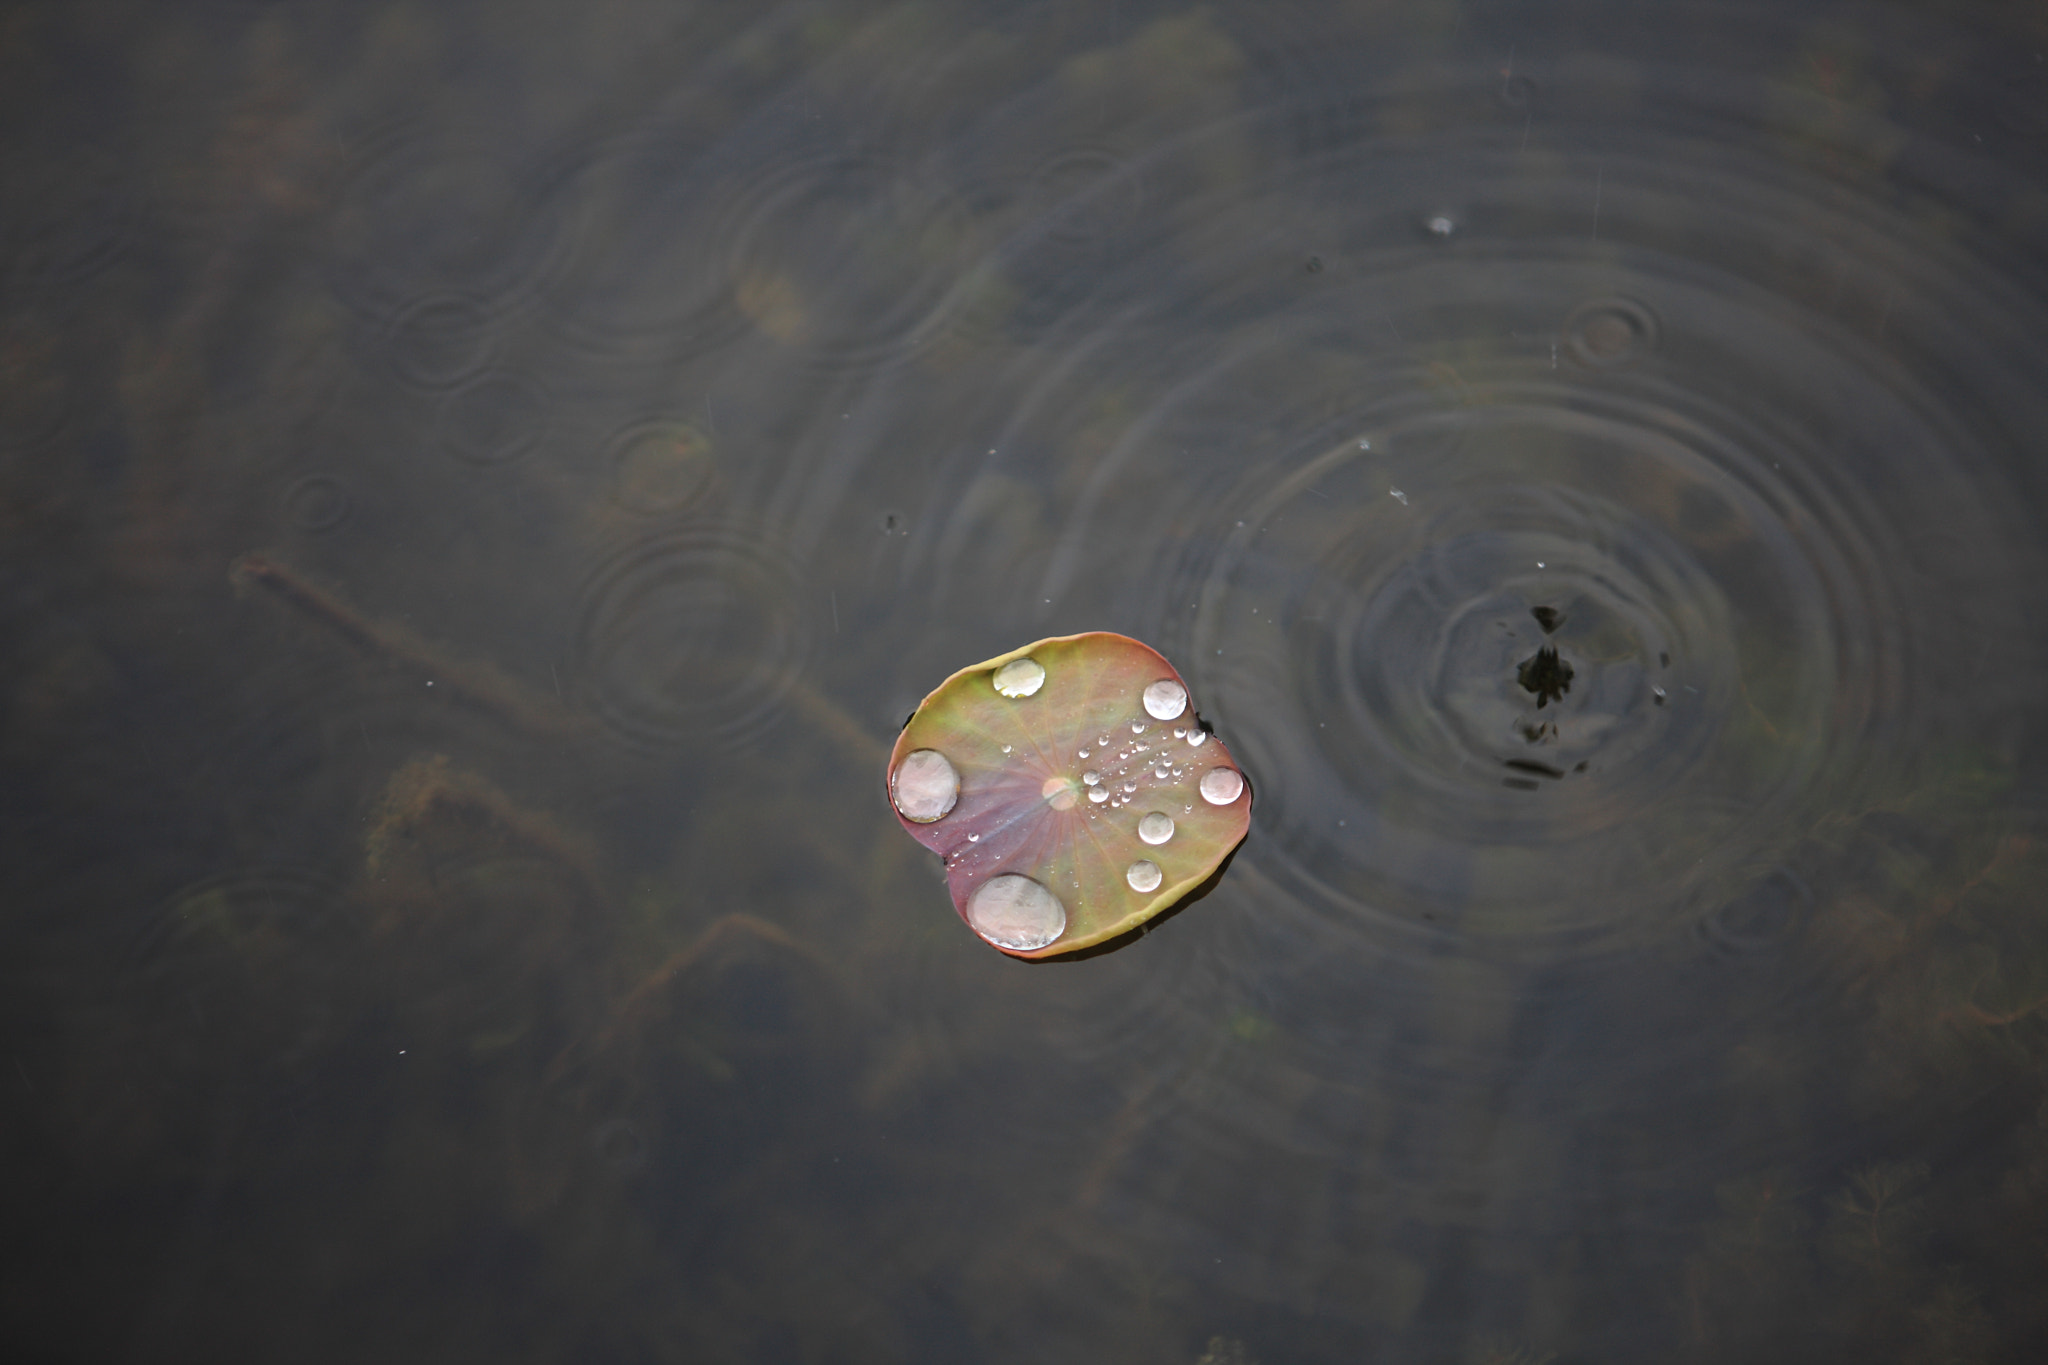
x,y
1071,789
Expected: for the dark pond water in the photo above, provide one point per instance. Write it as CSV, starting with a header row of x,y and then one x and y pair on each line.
x,y
482,485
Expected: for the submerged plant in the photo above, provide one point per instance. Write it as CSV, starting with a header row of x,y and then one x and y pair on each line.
x,y
1071,789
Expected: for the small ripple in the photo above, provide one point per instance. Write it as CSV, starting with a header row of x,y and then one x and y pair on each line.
x,y
429,208
661,467
495,418
697,631
437,341
317,504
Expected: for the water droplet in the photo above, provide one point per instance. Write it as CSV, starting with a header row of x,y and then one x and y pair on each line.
x,y
974,838
1137,727
1398,496
1162,771
1197,735
1098,794
1144,876
1130,787
1165,699
1221,786
1156,828
1083,753
1020,677
1006,748
924,786
1091,777
1015,912
1102,743
1180,732
1440,225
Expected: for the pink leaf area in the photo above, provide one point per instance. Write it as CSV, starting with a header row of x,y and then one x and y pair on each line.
x,y
1071,789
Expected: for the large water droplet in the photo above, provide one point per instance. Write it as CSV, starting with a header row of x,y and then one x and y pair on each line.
x,y
924,786
1015,912
1165,699
1091,777
1020,677
1197,735
1221,786
1156,828
1144,876
1098,794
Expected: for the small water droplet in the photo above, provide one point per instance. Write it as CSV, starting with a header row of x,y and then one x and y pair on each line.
x,y
1020,677
1102,743
1197,735
1165,699
1440,226
1098,794
1137,727
974,838
1162,771
1398,496
1144,876
1130,787
1221,786
1082,753
1156,828
1015,912
1006,748
924,786
1091,777
1180,732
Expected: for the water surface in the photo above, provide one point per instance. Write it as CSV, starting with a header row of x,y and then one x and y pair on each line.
x,y
482,488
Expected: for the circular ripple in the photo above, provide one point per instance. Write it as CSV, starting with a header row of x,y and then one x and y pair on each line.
x,y
661,467
430,207
848,258
495,418
698,631
318,503
437,341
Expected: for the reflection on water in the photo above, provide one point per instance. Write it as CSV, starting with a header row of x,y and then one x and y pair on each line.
x,y
482,491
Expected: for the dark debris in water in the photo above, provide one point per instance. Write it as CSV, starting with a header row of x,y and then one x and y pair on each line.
x,y
1545,676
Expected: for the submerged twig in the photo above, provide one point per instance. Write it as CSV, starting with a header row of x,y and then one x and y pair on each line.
x,y
475,684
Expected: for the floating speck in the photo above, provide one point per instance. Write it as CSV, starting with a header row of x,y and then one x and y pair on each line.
x,y
1020,677
1156,828
1144,876
1165,699
1016,912
1221,786
1398,496
925,786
